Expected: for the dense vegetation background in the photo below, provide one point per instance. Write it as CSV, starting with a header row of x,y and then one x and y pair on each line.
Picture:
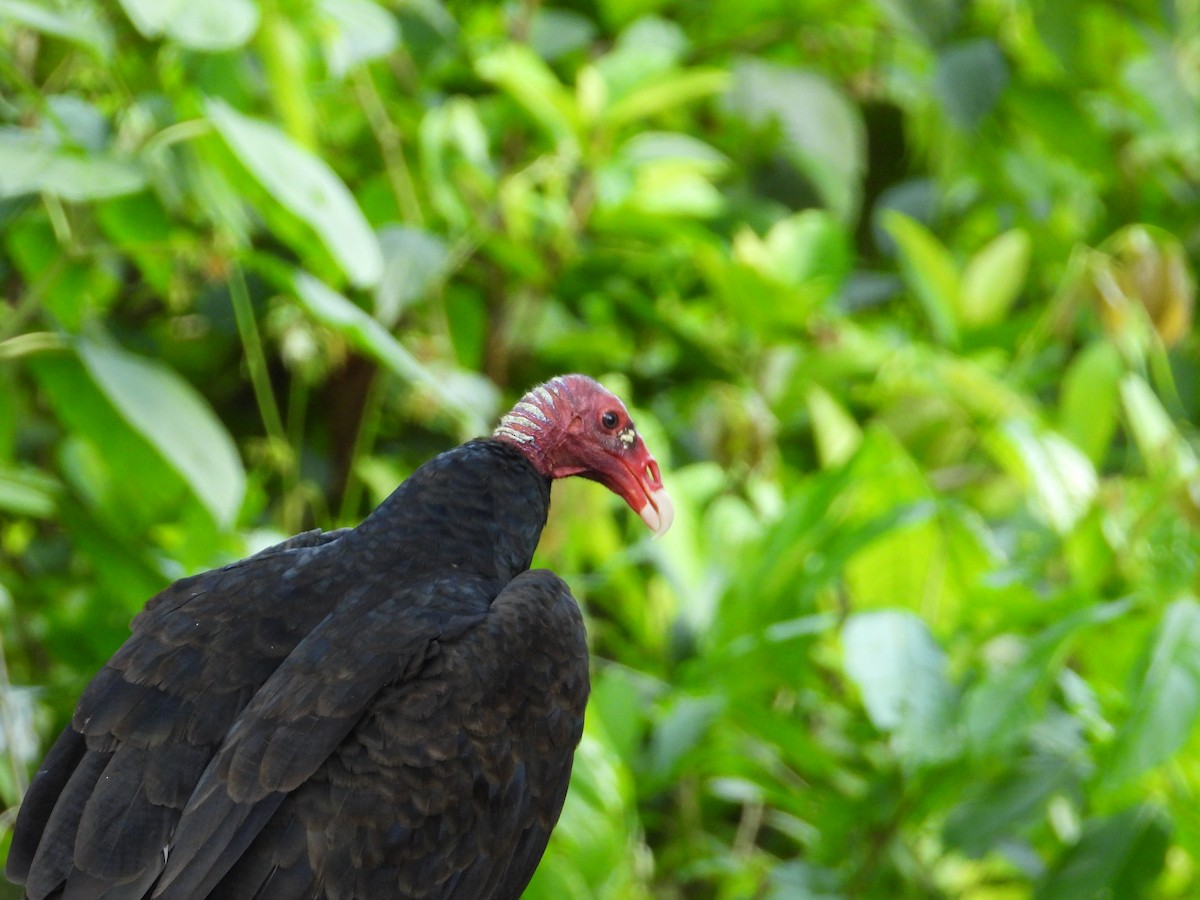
x,y
901,291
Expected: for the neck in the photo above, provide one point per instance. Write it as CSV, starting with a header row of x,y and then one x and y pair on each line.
x,y
528,426
480,506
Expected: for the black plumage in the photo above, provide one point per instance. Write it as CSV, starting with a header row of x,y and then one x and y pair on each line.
x,y
384,711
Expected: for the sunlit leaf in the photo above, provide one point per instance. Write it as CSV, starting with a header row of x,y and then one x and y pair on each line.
x,y
1089,402
30,164
836,432
930,271
77,23
361,30
799,249
28,492
306,186
669,93
1061,481
901,672
212,26
1155,434
532,84
993,279
660,146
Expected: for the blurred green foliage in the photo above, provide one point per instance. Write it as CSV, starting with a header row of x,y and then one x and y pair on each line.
x,y
901,290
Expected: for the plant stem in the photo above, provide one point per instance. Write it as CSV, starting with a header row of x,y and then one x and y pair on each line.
x,y
368,430
264,394
391,147
282,53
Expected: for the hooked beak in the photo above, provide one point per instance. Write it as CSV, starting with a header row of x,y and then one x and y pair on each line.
x,y
643,490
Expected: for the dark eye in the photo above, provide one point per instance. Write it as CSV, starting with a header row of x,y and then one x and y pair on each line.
x,y
609,420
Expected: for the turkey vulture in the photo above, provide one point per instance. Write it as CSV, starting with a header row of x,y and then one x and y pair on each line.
x,y
383,711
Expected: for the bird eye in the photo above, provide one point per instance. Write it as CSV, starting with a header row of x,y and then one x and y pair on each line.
x,y
609,419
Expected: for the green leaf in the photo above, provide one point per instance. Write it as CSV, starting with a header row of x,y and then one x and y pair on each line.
x,y
668,93
556,32
471,403
28,492
1061,481
212,26
802,248
532,84
680,729
669,146
1120,856
993,278
929,19
1089,401
930,271
30,164
970,78
1166,701
901,673
667,189
1005,807
647,51
78,23
175,420
1156,436
306,186
837,434
823,132
361,30
999,710
414,263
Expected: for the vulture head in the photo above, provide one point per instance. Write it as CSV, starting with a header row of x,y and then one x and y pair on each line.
x,y
571,425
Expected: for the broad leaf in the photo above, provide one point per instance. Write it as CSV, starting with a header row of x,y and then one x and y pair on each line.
x,y
78,23
360,30
29,163
213,26
175,420
901,672
414,262
993,278
1061,481
1089,402
467,401
1155,434
668,93
1006,807
1167,699
836,433
822,130
306,186
533,85
970,78
1120,856
930,271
